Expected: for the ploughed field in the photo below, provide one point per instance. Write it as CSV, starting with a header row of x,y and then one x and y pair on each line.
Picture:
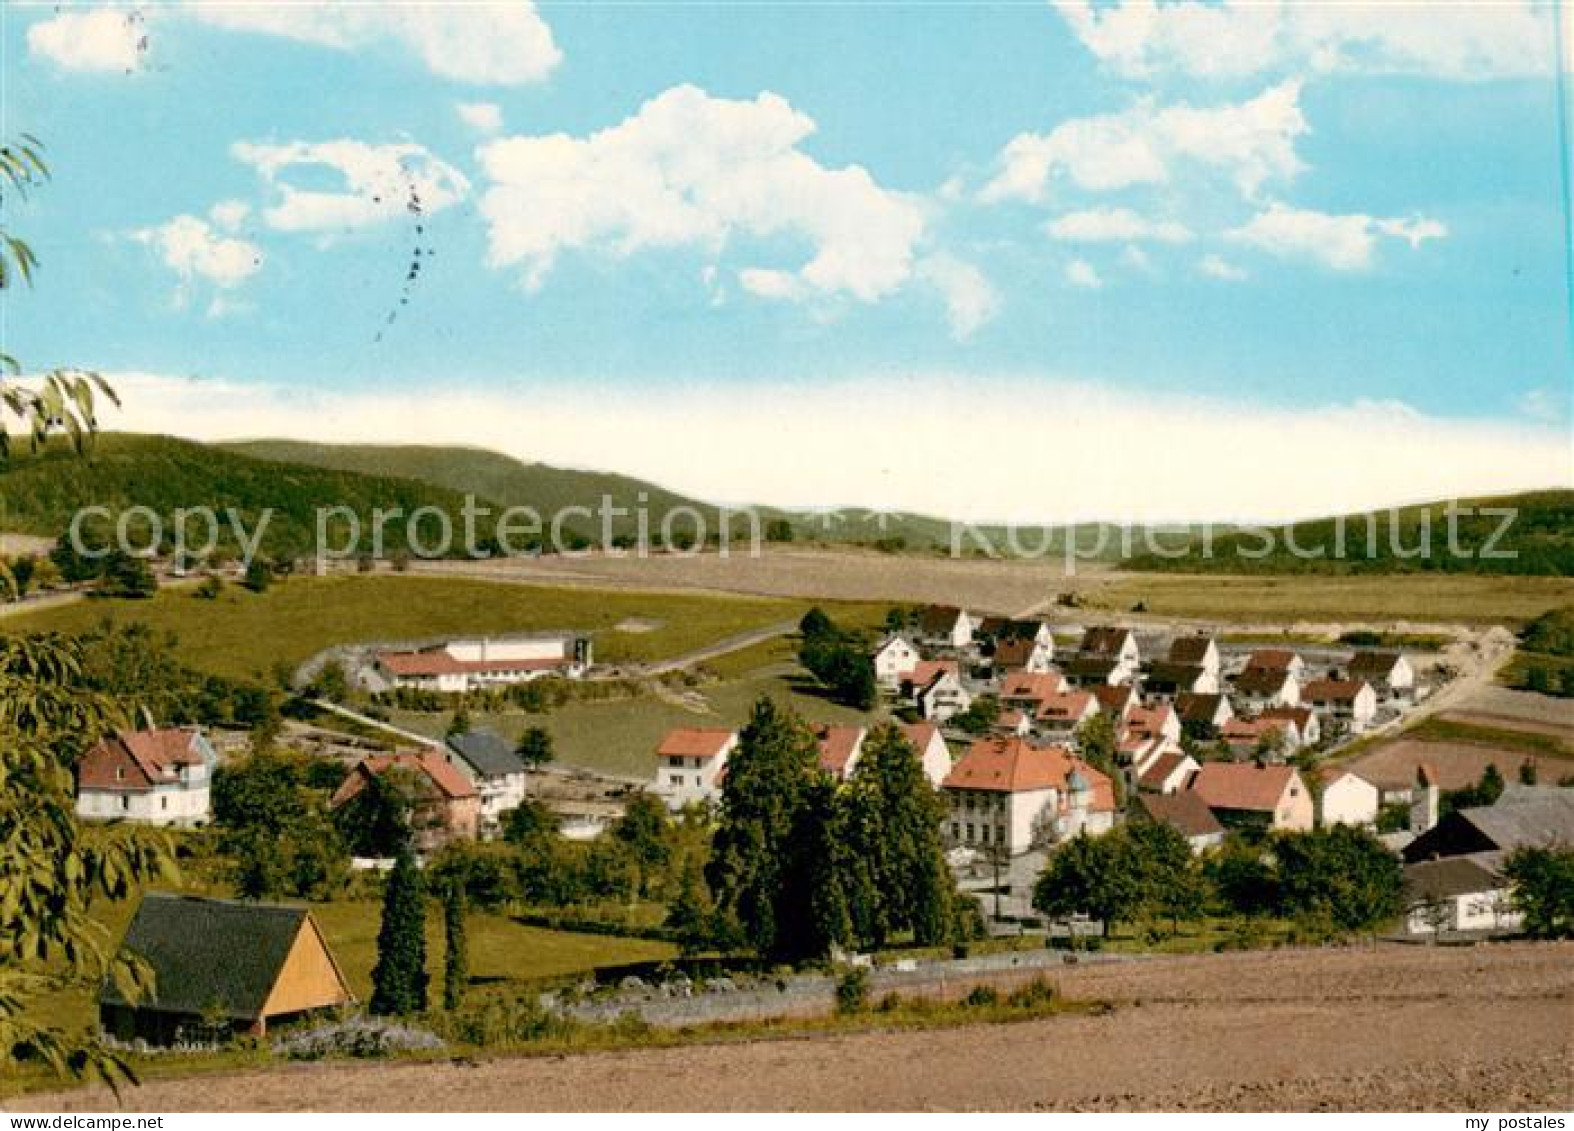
x,y
1390,1027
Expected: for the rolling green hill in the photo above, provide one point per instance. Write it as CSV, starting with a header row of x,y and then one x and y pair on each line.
x,y
512,482
1540,539
42,491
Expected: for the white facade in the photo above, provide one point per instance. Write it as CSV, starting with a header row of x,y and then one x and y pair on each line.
x,y
895,659
944,698
1348,800
692,777
933,754
1487,910
183,802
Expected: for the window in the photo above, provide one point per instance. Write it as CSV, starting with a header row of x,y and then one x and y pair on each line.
x,y
125,802
120,773
163,803
956,830
985,831
970,830
1000,834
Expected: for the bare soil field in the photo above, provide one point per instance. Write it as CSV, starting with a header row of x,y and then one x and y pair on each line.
x,y
1393,765
1329,604
1363,1029
1524,710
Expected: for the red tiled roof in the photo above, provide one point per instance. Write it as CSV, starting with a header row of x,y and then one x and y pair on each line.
x,y
1032,685
1066,705
1198,706
1185,812
927,671
694,742
1300,716
1149,721
450,782
1271,659
1163,766
1249,730
1189,649
1333,690
145,758
919,734
1374,663
838,744
1242,785
1015,651
1115,698
1014,765
1263,681
1104,641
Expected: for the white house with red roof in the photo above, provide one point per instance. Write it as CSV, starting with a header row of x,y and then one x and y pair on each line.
x,y
1300,725
1345,798
935,687
464,665
1152,722
1023,653
1277,660
1350,702
840,747
690,762
894,661
1014,793
933,754
1059,716
1242,793
152,777
1167,771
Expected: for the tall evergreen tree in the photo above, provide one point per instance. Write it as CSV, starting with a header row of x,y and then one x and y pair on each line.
x,y
893,826
399,978
756,870
456,950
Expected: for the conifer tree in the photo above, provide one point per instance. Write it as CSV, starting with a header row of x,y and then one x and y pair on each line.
x,y
399,978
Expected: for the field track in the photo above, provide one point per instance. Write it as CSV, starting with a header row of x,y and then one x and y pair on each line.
x,y
1384,1028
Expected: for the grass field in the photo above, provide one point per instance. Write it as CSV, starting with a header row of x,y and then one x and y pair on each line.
x,y
503,953
619,737
1374,599
245,634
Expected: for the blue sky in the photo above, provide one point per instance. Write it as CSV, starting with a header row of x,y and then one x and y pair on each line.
x,y
1075,218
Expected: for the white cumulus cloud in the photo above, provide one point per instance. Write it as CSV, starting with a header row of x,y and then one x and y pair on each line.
x,y
482,117
199,253
99,39
688,169
1240,38
970,298
1081,273
806,443
378,182
1104,225
1342,242
1217,267
502,43
1250,142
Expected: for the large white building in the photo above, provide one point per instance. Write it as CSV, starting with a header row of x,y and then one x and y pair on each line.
x,y
1013,794
464,665
152,777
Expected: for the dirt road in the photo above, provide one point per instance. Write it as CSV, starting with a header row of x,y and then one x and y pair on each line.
x,y
1392,1028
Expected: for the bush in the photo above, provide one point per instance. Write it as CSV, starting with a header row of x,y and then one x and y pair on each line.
x,y
980,997
852,991
358,1037
1036,994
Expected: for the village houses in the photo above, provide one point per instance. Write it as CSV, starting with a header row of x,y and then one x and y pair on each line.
x,y
1016,795
150,777
445,806
1345,798
1244,794
946,626
464,665
1348,702
690,762
497,773
894,661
